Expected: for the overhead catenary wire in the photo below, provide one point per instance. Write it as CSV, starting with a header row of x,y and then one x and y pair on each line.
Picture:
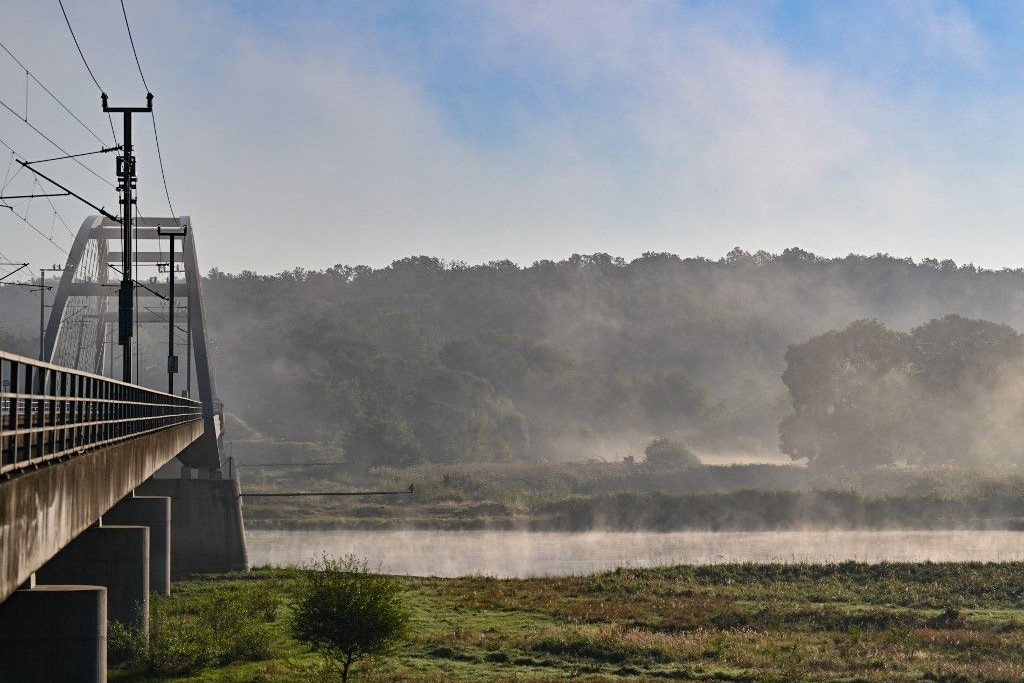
x,y
77,196
39,232
54,97
9,261
8,179
24,219
58,216
105,150
51,141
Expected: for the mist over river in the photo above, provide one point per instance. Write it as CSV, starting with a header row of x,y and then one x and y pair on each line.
x,y
524,553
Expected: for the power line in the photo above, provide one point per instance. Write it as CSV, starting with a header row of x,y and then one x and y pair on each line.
x,y
132,41
8,179
80,53
39,232
160,159
24,219
10,261
156,136
7,173
87,67
50,140
50,93
105,150
58,215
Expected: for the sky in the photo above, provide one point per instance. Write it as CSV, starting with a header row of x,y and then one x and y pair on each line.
x,y
308,134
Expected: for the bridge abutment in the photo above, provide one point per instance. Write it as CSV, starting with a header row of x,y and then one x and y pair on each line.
x,y
153,512
115,557
207,535
54,633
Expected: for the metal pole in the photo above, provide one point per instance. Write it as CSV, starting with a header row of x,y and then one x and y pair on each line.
x,y
127,292
172,360
126,185
188,346
42,306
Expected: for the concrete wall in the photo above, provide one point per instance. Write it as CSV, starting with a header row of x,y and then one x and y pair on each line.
x,y
41,511
207,531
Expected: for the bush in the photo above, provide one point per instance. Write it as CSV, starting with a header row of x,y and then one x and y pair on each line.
x,y
124,645
346,613
230,624
668,454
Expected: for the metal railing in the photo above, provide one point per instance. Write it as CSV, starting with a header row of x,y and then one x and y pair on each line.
x,y
48,412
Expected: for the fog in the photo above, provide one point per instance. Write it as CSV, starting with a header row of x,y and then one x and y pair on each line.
x,y
589,357
524,554
427,361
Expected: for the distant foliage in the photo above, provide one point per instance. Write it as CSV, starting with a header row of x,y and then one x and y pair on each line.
x,y
346,613
667,454
13,343
432,361
949,391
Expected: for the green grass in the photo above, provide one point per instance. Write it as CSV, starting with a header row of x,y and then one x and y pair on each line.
x,y
957,623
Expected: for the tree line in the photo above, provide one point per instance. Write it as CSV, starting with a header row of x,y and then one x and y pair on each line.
x,y
591,356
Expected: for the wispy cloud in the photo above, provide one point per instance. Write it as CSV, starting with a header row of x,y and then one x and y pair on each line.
x,y
530,130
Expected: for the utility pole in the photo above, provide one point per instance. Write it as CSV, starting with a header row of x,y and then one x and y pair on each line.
x,y
42,306
172,359
126,185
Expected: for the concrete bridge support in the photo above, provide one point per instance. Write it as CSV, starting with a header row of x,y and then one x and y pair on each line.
x,y
153,512
115,557
54,633
208,535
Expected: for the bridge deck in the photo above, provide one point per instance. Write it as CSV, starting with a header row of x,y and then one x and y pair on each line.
x,y
72,444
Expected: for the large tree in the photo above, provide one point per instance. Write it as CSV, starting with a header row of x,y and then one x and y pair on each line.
x,y
847,391
949,391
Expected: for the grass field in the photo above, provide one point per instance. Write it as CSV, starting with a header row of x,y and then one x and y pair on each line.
x,y
848,622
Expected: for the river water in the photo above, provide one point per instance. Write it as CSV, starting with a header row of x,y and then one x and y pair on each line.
x,y
524,553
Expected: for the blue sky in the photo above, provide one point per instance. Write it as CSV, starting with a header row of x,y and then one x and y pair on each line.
x,y
314,133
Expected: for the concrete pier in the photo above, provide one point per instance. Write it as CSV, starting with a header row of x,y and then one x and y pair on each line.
x,y
153,512
116,557
208,535
54,633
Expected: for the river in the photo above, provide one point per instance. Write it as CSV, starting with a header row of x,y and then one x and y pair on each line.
x,y
523,553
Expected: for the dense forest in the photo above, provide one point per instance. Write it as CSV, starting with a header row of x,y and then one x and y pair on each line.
x,y
588,357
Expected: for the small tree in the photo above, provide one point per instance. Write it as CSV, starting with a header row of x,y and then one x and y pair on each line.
x,y
346,613
668,454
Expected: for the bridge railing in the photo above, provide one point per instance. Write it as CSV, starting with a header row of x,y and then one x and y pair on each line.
x,y
48,412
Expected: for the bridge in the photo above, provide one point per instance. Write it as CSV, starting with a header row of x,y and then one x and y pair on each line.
x,y
87,531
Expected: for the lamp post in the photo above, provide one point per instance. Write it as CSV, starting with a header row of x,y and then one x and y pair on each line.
x,y
172,360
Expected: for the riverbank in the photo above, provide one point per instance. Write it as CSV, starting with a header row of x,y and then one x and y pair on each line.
x,y
752,623
743,510
622,496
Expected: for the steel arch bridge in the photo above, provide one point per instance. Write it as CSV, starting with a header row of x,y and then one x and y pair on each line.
x,y
84,317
